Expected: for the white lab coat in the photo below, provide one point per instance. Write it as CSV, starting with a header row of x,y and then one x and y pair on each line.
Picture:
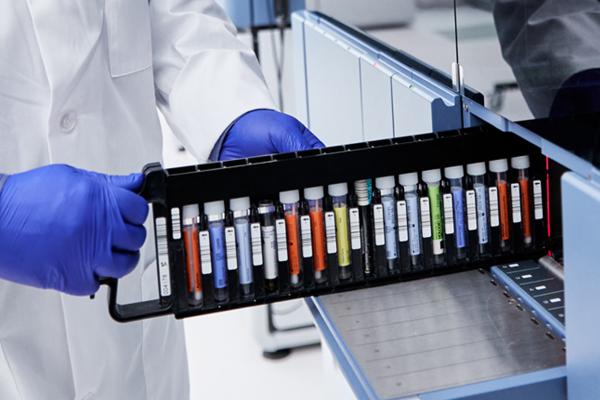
x,y
79,84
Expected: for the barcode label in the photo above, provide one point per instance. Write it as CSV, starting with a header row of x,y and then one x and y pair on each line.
x,y
162,247
205,261
538,208
306,236
448,214
494,216
176,223
471,210
354,228
230,248
255,239
402,221
330,232
515,197
378,225
282,254
425,218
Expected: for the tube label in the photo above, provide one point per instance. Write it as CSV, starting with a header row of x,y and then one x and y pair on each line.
x,y
176,223
282,254
515,197
306,236
402,221
255,237
412,210
330,232
538,208
482,214
354,228
471,210
378,225
425,218
269,252
389,218
448,214
205,261
230,248
494,217
162,248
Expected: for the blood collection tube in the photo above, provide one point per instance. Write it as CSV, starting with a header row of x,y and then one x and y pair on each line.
x,y
306,245
266,212
215,212
379,255
521,166
191,215
363,201
386,186
476,172
402,224
314,197
339,198
240,207
455,175
448,207
499,168
432,178
291,210
409,183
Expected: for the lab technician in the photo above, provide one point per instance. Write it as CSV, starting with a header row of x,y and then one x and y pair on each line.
x,y
79,84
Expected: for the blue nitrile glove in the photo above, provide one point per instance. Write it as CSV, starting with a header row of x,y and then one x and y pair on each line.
x,y
62,228
261,132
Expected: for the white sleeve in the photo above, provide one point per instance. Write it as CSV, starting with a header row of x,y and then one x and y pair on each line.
x,y
204,76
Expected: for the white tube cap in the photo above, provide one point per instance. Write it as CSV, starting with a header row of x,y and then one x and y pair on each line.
x,y
338,189
239,204
454,172
214,207
313,193
521,162
409,179
289,196
431,175
476,169
385,182
191,211
500,165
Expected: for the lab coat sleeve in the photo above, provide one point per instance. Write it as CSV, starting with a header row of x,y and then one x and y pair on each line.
x,y
204,76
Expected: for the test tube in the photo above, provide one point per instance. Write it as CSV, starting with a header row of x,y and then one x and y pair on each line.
x,y
339,199
499,168
363,201
476,172
432,178
314,197
386,186
191,214
455,175
409,183
266,212
241,223
291,212
215,212
521,165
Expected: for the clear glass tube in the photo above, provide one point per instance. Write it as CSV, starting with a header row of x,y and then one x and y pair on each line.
x,y
414,223
523,177
266,212
241,223
503,209
363,190
460,229
317,226
388,202
216,230
292,225
340,210
481,204
192,257
437,224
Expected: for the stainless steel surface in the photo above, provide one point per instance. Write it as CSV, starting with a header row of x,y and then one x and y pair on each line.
x,y
435,333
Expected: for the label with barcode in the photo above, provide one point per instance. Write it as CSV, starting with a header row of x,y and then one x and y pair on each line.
x,y
402,221
471,211
162,247
205,261
282,254
330,232
515,198
538,208
354,228
230,248
176,223
378,225
494,216
425,218
306,235
448,214
255,240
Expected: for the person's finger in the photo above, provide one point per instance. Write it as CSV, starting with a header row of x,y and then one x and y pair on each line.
x,y
131,182
123,262
128,237
133,207
312,141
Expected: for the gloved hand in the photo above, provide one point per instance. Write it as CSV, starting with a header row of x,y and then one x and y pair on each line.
x,y
262,132
62,228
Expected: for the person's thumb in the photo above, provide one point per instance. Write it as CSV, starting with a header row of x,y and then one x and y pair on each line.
x,y
131,182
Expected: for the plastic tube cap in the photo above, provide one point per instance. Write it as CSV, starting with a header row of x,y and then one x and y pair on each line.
x,y
454,172
521,162
191,211
313,193
432,175
338,189
214,207
239,204
385,182
409,179
289,196
476,169
500,165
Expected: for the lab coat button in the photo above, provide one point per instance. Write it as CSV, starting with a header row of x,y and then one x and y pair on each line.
x,y
68,122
